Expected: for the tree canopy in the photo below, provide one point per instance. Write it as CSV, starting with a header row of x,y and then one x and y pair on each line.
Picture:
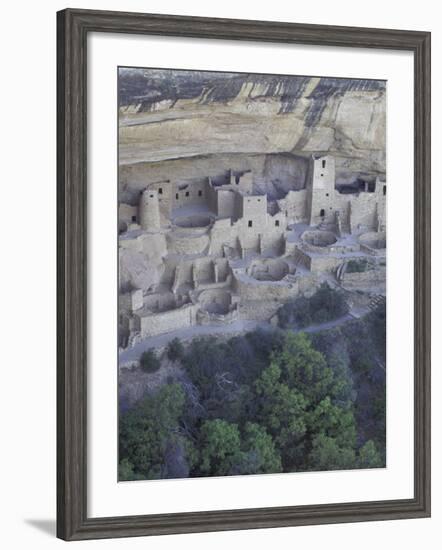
x,y
264,402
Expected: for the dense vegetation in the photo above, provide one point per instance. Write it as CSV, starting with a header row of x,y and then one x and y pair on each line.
x,y
264,402
325,305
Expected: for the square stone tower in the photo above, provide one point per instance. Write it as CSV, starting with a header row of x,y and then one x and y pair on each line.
x,y
321,188
254,212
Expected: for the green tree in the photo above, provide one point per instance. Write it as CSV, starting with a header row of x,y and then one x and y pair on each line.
x,y
126,471
147,430
333,421
369,457
149,361
327,304
304,368
326,454
220,447
175,350
298,397
282,412
260,450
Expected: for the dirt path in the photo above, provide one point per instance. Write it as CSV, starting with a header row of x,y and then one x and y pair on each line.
x,y
132,354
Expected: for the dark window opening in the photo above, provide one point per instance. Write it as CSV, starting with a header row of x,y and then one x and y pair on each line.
x,y
323,164
259,200
322,213
237,180
187,193
384,190
322,175
134,218
276,223
326,194
177,196
160,190
151,196
250,223
200,193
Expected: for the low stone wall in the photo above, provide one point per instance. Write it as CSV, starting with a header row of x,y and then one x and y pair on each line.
x,y
257,310
372,251
324,263
206,318
265,290
167,321
366,279
210,285
180,244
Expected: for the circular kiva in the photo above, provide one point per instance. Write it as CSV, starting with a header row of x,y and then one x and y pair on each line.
x,y
268,270
215,301
376,241
320,239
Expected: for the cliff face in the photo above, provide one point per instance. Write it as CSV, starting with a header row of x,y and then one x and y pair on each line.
x,y
168,116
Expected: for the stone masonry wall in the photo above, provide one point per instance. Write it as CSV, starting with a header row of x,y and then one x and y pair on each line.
x,y
160,323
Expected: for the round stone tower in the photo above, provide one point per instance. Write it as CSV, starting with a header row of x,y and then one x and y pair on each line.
x,y
149,210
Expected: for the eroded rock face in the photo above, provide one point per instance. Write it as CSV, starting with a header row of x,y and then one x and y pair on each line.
x,y
167,117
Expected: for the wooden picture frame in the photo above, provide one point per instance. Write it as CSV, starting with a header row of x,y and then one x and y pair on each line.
x,y
73,27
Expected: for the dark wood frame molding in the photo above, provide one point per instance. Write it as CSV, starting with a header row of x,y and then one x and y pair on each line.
x,y
73,27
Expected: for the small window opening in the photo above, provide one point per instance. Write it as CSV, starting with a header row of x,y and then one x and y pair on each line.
x,y
200,193
323,164
160,190
322,213
177,196
151,196
384,190
187,193
134,218
322,175
250,223
326,194
276,223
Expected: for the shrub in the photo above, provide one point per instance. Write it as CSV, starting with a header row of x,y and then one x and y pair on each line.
x,y
325,305
149,361
358,266
175,350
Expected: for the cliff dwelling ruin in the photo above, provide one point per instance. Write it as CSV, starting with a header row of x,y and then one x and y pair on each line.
x,y
212,250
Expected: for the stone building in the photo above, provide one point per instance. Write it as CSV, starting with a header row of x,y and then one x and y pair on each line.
x,y
215,250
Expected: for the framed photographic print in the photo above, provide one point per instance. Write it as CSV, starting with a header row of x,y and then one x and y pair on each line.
x,y
243,274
